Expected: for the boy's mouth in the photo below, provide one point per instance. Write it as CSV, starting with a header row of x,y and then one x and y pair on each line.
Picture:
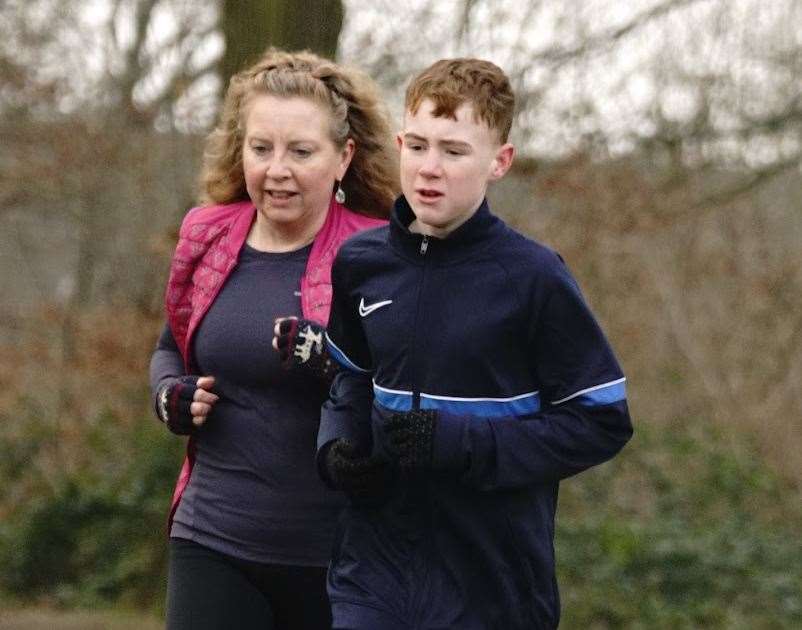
x,y
429,194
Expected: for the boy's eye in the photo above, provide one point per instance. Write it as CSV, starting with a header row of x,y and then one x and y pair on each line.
x,y
454,152
415,147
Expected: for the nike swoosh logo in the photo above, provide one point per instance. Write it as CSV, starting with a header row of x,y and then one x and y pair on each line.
x,y
364,311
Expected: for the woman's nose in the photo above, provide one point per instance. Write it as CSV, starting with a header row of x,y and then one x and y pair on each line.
x,y
276,167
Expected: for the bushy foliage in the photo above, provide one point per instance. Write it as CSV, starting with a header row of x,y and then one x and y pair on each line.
x,y
86,484
685,530
90,541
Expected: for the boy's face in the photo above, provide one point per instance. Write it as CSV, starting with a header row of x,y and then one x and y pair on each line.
x,y
446,165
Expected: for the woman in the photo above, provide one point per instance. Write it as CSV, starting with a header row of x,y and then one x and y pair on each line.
x,y
251,524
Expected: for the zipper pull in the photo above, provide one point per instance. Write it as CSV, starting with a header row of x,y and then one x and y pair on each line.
x,y
424,244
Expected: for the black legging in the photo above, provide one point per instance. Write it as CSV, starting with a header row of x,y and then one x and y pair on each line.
x,y
207,590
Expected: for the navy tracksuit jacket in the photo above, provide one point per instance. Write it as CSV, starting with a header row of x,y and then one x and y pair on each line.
x,y
490,329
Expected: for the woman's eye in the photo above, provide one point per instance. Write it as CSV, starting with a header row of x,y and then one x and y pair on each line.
x,y
302,153
259,149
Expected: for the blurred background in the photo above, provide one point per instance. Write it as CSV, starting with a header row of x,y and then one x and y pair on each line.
x,y
660,152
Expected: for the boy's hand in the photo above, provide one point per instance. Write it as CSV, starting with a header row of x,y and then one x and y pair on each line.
x,y
184,404
363,478
410,437
300,344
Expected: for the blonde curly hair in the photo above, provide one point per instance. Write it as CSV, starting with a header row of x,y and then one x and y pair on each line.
x,y
371,182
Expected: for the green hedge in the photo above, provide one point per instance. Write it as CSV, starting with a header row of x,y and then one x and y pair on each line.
x,y
97,536
708,543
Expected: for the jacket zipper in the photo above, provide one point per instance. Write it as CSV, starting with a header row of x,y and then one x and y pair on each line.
x,y
424,246
417,608
417,603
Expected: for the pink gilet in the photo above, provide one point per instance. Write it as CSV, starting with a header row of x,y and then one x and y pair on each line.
x,y
208,247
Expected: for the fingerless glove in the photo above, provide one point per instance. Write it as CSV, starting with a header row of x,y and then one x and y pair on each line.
x,y
301,346
173,402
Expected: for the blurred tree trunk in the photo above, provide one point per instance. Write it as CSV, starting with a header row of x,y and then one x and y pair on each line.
x,y
250,26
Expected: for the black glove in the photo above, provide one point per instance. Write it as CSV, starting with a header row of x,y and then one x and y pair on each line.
x,y
365,479
172,404
301,345
410,438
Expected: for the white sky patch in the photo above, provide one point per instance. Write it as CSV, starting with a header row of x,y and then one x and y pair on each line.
x,y
735,57
720,45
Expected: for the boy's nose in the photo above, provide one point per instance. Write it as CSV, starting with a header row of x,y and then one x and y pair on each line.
x,y
431,166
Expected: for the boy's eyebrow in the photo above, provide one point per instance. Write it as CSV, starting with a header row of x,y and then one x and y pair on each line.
x,y
448,141
456,143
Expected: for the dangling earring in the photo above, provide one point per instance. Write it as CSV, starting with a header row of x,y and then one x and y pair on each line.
x,y
339,196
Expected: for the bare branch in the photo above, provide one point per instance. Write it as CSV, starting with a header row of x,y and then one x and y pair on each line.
x,y
179,84
133,69
747,183
464,20
559,56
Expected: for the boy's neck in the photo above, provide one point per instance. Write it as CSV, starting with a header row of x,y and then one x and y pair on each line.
x,y
417,227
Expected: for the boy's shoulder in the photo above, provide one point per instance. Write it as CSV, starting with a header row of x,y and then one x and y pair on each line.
x,y
522,254
370,241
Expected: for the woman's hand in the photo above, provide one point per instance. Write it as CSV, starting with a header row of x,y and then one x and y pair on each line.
x,y
185,403
300,344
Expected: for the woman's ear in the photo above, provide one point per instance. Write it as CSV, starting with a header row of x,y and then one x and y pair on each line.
x,y
346,156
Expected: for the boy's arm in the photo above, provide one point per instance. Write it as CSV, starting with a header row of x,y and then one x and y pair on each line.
x,y
346,414
583,418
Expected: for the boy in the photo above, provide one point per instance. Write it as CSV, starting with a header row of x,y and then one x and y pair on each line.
x,y
483,378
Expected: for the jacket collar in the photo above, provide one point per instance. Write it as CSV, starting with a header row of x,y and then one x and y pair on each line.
x,y
468,238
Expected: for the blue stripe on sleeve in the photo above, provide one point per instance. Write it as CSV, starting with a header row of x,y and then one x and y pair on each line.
x,y
392,399
604,394
341,358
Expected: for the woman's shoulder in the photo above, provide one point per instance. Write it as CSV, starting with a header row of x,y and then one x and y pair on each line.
x,y
213,214
348,221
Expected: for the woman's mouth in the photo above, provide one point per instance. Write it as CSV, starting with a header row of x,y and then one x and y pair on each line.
x,y
281,194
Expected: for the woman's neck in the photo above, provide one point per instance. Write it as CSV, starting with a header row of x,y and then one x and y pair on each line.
x,y
277,237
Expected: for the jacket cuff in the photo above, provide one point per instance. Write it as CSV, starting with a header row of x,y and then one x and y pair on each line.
x,y
448,448
333,427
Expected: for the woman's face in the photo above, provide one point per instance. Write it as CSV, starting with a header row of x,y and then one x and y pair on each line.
x,y
289,160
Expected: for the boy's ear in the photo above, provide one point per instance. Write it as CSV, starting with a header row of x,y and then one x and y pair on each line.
x,y
502,161
399,141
